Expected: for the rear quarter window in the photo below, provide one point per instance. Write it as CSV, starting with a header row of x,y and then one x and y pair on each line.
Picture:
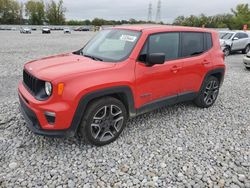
x,y
208,41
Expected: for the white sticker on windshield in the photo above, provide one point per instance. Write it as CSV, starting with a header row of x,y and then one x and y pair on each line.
x,y
128,38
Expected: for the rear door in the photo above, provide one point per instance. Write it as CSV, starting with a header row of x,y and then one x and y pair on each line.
x,y
196,59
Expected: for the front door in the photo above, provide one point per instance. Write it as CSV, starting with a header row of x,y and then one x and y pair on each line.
x,y
159,81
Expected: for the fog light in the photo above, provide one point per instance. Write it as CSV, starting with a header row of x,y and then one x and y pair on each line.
x,y
51,117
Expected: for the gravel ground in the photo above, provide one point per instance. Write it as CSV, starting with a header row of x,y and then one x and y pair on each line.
x,y
177,146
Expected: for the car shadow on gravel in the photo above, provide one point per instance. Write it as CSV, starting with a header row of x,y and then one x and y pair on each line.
x,y
135,125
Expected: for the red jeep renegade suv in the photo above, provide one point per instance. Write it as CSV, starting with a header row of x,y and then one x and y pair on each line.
x,y
120,73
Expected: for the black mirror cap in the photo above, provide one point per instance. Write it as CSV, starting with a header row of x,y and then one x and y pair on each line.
x,y
155,58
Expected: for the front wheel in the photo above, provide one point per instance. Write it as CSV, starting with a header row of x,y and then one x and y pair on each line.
x,y
227,51
209,93
103,121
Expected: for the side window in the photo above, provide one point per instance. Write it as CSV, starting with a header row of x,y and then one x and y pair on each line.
x,y
192,44
243,35
237,35
208,41
167,43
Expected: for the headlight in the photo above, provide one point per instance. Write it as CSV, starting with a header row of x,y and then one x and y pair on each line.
x,y
48,88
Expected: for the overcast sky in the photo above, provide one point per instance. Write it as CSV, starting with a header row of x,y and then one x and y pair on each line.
x,y
125,9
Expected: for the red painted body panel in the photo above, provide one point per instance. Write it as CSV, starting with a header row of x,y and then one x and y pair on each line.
x,y
82,75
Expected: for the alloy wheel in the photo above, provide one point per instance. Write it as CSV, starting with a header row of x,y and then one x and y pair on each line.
x,y
211,92
107,123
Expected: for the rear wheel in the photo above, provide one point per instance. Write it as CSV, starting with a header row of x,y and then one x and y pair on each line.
x,y
246,50
209,93
103,121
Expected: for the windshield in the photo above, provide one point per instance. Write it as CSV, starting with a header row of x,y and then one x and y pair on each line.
x,y
111,45
226,36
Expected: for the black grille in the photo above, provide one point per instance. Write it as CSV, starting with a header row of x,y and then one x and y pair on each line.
x,y
30,82
34,85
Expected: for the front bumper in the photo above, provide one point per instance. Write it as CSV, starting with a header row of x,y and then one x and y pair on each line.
x,y
246,61
34,115
34,125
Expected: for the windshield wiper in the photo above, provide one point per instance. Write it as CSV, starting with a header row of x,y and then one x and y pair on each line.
x,y
93,57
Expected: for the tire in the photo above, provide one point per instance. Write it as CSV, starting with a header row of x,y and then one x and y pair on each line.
x,y
246,50
103,121
248,68
208,93
227,51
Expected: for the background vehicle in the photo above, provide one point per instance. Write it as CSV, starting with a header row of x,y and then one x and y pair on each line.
x,y
66,30
83,28
45,30
122,72
232,41
246,61
25,30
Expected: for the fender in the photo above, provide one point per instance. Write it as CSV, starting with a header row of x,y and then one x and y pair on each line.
x,y
84,101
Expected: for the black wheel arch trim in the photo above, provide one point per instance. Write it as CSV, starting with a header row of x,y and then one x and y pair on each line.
x,y
84,101
220,71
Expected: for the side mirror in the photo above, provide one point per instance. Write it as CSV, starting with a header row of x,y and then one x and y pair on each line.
x,y
235,38
155,58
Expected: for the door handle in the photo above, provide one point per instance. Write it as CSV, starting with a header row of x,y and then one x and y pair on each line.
x,y
205,62
175,69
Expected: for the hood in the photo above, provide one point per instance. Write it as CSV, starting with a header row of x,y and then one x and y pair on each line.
x,y
54,67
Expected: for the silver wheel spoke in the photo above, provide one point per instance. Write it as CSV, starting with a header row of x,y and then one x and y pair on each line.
x,y
96,126
116,122
115,108
104,109
209,86
209,101
215,85
215,93
105,133
205,99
